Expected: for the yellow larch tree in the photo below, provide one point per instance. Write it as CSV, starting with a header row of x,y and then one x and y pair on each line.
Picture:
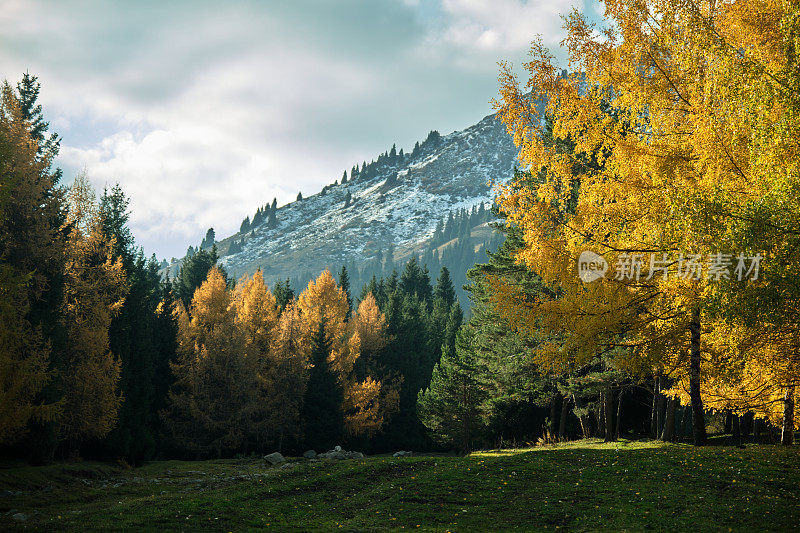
x,y
27,247
95,287
679,139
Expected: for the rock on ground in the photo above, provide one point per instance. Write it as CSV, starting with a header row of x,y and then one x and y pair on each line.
x,y
274,458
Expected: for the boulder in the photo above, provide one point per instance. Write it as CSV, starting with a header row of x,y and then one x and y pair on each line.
x,y
310,454
339,453
402,453
274,458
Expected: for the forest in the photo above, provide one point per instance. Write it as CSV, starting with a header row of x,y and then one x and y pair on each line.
x,y
668,153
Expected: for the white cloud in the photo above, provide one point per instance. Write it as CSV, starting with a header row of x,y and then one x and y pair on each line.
x,y
204,111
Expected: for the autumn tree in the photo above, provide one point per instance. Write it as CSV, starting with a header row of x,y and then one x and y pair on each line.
x,y
215,395
95,288
31,254
670,109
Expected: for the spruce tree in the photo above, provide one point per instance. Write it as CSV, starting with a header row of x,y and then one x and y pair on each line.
x,y
208,240
344,284
322,404
452,406
193,273
344,177
348,199
283,294
245,227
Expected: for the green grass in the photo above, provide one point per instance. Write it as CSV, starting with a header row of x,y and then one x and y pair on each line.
x,y
586,485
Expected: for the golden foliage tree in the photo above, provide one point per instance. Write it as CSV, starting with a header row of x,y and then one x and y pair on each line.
x,y
674,136
323,301
216,392
27,246
95,287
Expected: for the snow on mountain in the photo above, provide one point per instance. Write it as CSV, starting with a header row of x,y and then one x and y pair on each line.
x,y
394,206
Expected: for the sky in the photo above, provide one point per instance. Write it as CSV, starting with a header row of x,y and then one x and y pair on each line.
x,y
203,111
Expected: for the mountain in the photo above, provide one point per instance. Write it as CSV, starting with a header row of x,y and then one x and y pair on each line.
x,y
385,213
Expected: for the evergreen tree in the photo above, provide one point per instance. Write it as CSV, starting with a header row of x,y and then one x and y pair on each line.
x,y
299,196
283,294
272,221
27,97
208,240
32,253
452,406
274,204
344,177
322,405
444,291
245,227
344,284
348,199
193,273
132,337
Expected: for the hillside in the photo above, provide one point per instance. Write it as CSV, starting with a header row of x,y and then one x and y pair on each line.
x,y
386,212
586,485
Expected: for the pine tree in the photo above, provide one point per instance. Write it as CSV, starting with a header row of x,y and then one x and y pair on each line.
x,y
344,177
193,273
299,196
452,406
322,404
245,227
208,240
28,96
283,294
31,265
132,336
344,283
348,199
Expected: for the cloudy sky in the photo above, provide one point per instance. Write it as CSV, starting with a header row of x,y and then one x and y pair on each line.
x,y
205,110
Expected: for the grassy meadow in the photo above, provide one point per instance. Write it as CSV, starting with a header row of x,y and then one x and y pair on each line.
x,y
584,485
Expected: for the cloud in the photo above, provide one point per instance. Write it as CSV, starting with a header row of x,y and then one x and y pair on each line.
x,y
203,111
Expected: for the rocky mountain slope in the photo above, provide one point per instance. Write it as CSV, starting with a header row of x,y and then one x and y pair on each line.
x,y
388,208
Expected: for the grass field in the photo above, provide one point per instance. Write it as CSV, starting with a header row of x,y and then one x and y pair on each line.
x,y
586,485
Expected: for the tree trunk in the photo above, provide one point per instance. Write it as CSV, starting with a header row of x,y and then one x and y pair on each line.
x,y
562,422
787,433
737,429
619,412
747,423
757,430
698,416
728,422
679,423
661,408
551,428
599,415
608,410
654,410
668,435
583,419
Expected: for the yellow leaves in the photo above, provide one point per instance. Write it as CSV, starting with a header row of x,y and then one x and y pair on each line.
x,y
94,289
370,326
